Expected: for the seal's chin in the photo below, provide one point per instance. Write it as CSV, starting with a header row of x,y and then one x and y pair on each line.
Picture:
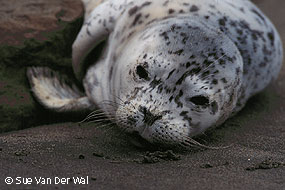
x,y
140,142
137,140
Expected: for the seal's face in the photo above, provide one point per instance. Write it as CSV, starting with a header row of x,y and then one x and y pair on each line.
x,y
178,82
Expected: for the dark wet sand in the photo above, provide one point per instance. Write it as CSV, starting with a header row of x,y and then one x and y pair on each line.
x,y
255,159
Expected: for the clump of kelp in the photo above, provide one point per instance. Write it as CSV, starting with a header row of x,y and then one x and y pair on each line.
x,y
18,110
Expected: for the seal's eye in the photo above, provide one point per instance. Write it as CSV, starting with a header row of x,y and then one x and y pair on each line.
x,y
142,72
199,100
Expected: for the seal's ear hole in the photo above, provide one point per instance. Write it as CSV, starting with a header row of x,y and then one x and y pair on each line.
x,y
142,72
199,100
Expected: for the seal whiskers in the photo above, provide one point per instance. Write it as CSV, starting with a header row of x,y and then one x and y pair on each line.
x,y
166,75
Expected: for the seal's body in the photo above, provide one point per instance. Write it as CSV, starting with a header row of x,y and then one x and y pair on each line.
x,y
169,69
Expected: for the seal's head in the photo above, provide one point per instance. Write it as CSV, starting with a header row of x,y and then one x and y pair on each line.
x,y
178,78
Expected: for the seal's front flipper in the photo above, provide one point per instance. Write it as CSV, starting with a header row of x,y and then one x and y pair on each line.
x,y
100,19
90,5
54,94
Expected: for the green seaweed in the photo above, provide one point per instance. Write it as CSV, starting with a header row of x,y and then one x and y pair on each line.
x,y
18,110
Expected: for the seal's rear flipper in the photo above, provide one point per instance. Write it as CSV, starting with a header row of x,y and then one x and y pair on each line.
x,y
54,94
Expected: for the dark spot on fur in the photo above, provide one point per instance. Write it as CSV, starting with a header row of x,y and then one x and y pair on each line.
x,y
133,10
212,6
138,16
146,3
222,62
271,38
188,64
258,14
164,34
111,73
111,19
169,75
177,99
240,32
188,73
262,64
194,8
215,81
166,3
88,32
214,107
179,52
224,80
222,22
186,117
171,11
204,74
266,51
154,83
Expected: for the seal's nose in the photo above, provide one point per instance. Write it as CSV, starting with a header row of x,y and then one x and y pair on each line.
x,y
149,118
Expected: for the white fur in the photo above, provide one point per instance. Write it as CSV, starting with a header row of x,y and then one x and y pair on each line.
x,y
131,29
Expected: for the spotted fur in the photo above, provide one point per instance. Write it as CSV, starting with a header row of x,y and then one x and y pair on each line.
x,y
173,68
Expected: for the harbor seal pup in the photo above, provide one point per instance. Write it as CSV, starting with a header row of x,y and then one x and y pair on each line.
x,y
170,69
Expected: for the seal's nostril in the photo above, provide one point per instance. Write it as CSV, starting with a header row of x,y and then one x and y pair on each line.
x,y
149,118
145,111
